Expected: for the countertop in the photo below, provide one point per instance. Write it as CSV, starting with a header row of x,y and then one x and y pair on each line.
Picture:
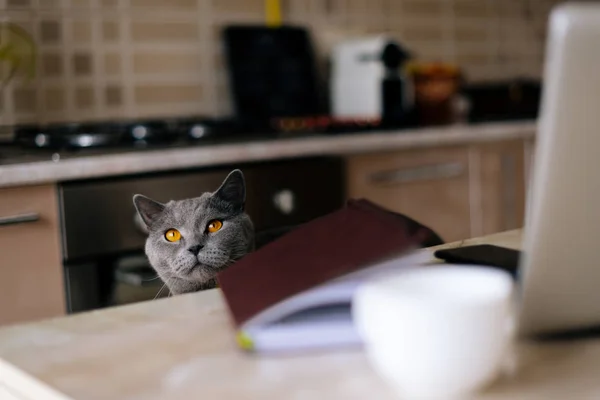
x,y
84,167
183,348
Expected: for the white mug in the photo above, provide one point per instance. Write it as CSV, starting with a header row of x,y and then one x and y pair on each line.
x,y
437,332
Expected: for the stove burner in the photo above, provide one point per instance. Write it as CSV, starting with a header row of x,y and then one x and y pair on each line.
x,y
73,135
136,134
57,142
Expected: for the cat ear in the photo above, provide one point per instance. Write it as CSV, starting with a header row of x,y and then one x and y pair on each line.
x,y
147,208
233,189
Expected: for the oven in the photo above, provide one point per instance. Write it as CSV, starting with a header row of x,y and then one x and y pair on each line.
x,y
103,241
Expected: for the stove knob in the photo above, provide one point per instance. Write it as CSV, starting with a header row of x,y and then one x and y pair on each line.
x,y
139,132
197,131
41,139
284,201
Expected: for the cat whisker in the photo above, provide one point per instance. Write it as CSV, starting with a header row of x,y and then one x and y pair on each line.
x,y
160,291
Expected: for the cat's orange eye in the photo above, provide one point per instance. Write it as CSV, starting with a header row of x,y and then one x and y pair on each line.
x,y
214,226
173,235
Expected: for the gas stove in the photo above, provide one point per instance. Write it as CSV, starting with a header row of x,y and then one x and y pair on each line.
x,y
55,142
137,134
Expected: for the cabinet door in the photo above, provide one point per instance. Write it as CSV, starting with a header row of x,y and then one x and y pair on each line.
x,y
32,284
529,152
500,187
430,186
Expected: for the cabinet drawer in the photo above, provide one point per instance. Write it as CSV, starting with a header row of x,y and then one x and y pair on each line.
x,y
431,186
32,283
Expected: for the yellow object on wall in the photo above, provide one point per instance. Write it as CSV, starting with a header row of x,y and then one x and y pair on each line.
x,y
273,12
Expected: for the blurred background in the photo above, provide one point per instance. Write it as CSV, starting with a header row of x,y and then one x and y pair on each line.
x,y
425,107
102,59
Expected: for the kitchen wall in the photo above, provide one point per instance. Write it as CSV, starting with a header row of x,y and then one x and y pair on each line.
x,y
103,59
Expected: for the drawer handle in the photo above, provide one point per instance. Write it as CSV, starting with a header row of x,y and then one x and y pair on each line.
x,y
424,173
19,219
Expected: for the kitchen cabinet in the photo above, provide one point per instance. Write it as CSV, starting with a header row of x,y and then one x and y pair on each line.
x,y
429,185
459,191
498,186
529,151
32,284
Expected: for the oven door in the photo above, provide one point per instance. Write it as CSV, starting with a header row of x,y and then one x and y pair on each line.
x,y
103,245
111,281
125,279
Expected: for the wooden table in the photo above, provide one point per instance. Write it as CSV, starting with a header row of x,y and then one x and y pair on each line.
x,y
183,348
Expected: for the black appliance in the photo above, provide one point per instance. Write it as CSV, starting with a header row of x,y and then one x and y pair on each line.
x,y
395,109
273,74
517,99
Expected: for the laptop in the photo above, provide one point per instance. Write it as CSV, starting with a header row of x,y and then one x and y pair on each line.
x,y
560,267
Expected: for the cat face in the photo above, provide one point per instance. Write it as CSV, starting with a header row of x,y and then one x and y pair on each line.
x,y
191,240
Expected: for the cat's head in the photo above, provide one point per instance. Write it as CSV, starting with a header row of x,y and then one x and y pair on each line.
x,y
191,240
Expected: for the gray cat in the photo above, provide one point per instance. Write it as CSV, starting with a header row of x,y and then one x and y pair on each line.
x,y
191,240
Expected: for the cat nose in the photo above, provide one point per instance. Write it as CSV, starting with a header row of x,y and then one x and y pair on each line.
x,y
195,249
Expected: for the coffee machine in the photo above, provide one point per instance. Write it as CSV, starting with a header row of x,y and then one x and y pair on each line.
x,y
367,81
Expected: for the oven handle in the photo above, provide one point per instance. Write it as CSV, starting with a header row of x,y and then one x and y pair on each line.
x,y
19,219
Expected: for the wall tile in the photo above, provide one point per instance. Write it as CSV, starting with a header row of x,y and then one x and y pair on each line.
x,y
110,31
109,3
18,3
473,58
219,62
431,51
113,96
50,4
150,31
112,63
423,33
239,6
81,3
167,63
173,4
471,8
464,33
54,99
426,8
156,94
356,6
82,64
50,32
84,98
52,65
82,32
25,100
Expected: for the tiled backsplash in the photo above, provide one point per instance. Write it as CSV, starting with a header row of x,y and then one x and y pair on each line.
x,y
102,59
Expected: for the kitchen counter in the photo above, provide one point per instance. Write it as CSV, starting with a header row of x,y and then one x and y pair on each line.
x,y
194,156
183,348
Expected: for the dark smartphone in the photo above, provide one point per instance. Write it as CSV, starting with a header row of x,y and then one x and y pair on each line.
x,y
483,254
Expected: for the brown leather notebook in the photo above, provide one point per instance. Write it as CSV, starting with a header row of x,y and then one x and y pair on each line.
x,y
279,295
